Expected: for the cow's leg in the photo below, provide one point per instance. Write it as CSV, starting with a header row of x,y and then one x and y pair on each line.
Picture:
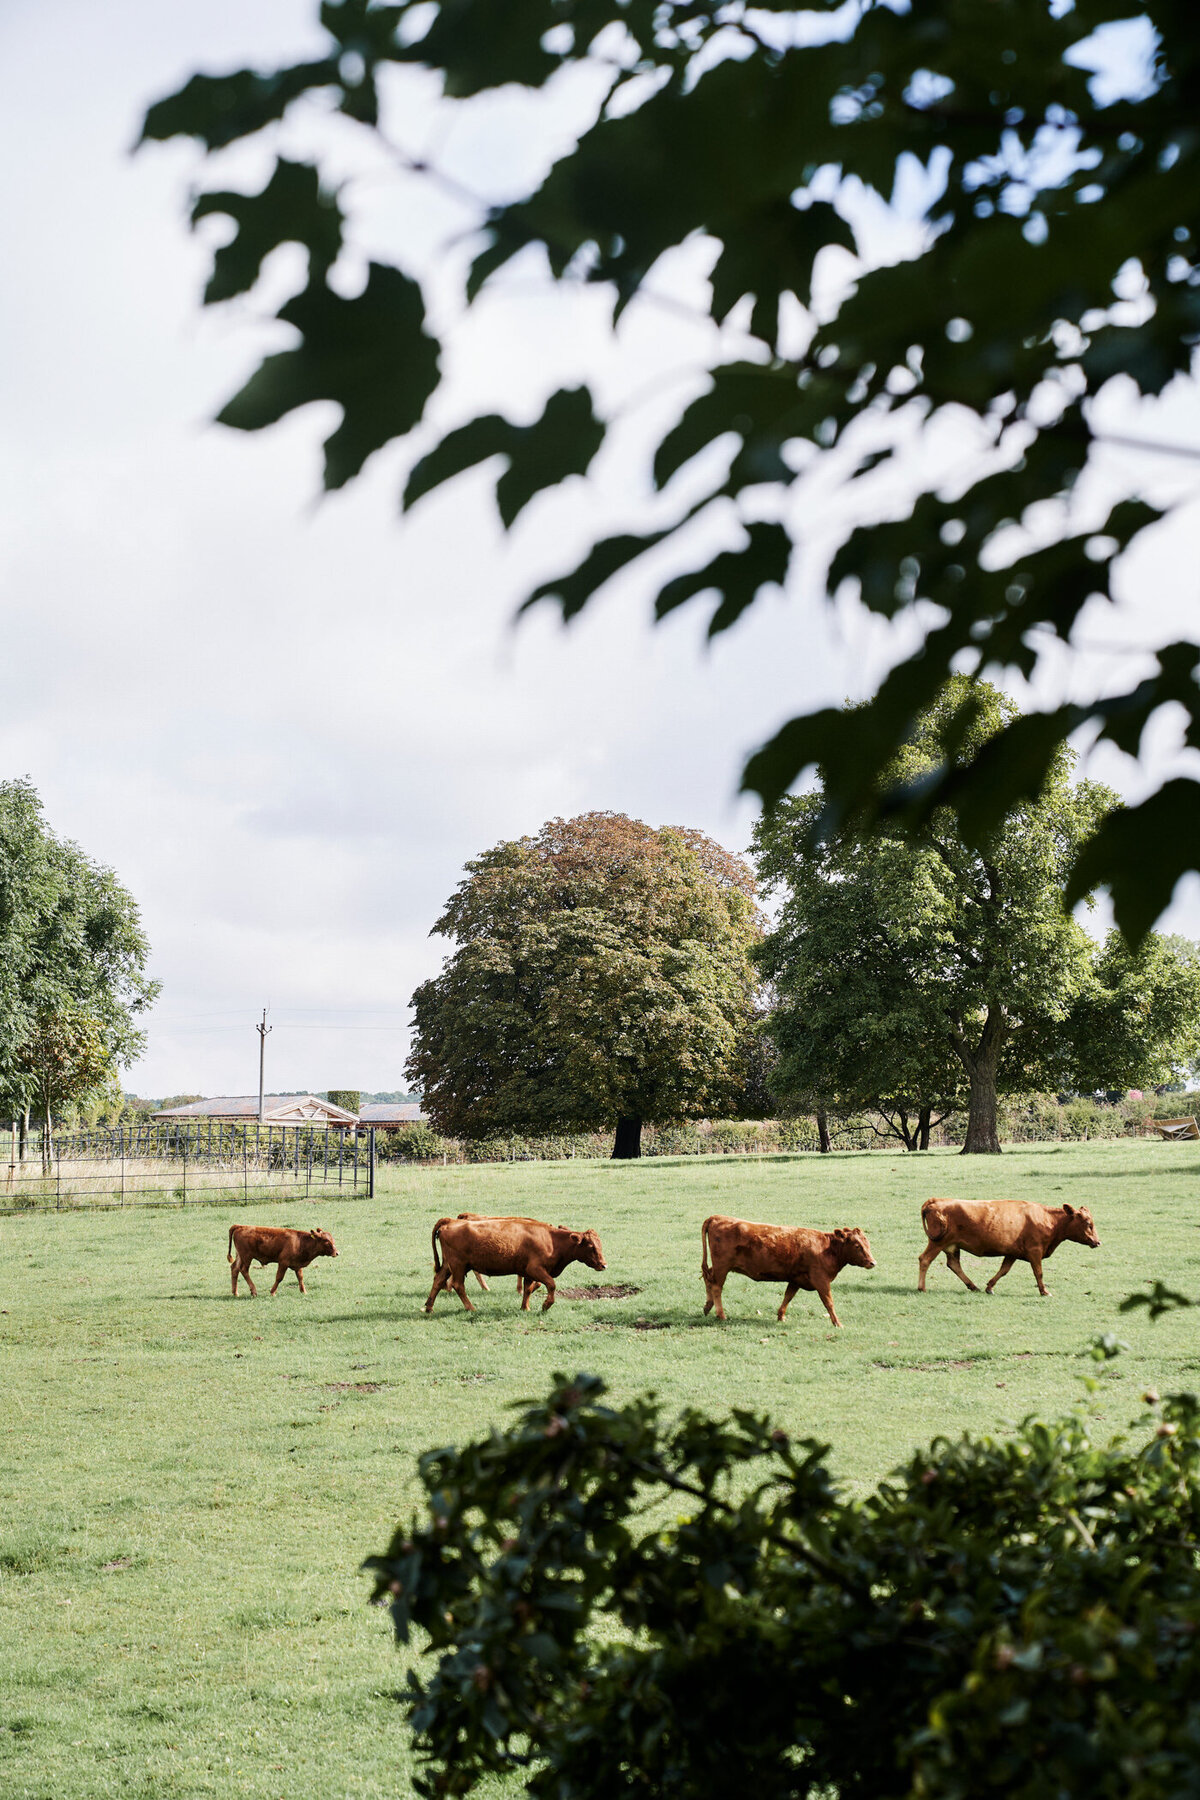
x,y
1005,1266
1035,1263
792,1289
459,1284
300,1279
243,1269
925,1262
440,1280
716,1287
279,1275
537,1276
827,1302
235,1270
483,1284
954,1260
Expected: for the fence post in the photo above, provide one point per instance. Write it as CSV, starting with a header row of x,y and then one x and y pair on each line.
x,y
371,1166
245,1166
121,1147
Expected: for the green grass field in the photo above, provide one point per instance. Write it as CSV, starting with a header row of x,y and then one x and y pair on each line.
x,y
188,1484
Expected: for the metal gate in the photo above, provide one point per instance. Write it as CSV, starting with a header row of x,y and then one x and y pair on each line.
x,y
176,1163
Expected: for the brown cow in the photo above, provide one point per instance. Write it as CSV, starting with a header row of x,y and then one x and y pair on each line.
x,y
527,1248
1016,1230
275,1244
790,1253
519,1219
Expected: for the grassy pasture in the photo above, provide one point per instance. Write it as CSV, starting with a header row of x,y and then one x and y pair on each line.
x,y
187,1485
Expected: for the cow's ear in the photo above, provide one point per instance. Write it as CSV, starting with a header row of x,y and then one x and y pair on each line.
x,y
1068,1209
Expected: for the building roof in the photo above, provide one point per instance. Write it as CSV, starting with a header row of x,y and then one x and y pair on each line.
x,y
390,1112
278,1109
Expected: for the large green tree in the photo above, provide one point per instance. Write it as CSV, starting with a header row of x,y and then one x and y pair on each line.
x,y
912,965
601,976
72,958
1043,159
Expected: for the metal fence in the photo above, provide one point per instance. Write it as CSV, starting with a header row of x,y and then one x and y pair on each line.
x,y
202,1161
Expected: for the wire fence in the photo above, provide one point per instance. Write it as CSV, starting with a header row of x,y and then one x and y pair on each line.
x,y
197,1163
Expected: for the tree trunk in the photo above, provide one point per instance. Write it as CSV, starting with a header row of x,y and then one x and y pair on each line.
x,y
983,1137
923,1128
823,1132
23,1138
628,1141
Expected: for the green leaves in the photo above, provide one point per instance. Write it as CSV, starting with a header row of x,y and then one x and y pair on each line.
x,y
617,1604
220,109
292,208
1139,853
738,576
1045,247
370,354
561,443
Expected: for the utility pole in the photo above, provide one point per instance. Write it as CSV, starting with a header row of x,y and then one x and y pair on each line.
x,y
262,1031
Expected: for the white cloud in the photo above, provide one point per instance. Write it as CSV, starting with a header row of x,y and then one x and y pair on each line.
x,y
286,723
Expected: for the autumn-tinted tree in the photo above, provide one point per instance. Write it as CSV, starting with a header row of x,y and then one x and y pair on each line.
x,y
913,964
1048,259
72,953
601,976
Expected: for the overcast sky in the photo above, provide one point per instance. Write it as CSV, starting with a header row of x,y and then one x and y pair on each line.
x,y
287,722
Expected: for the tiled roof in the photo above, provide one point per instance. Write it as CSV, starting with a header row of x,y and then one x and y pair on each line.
x,y
390,1112
278,1109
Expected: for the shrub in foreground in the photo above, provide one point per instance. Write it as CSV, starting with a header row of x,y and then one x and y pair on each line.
x,y
1012,1616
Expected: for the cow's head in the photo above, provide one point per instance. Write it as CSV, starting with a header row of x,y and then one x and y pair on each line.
x,y
588,1251
324,1243
1081,1227
851,1245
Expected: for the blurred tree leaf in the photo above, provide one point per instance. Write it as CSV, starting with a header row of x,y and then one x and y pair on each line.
x,y
370,354
561,443
1051,223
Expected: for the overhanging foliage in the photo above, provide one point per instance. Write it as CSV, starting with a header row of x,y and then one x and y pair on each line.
x,y
1053,254
615,1605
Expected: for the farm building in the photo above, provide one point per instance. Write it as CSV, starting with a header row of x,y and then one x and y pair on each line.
x,y
278,1109
385,1115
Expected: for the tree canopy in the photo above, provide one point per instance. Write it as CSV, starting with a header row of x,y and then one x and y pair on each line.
x,y
909,967
615,1604
72,960
1042,160
601,976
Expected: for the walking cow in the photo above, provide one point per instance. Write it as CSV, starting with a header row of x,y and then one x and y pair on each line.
x,y
289,1248
535,1252
794,1254
1015,1230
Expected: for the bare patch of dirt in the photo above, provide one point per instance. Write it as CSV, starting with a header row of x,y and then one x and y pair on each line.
x,y
118,1562
353,1387
613,1290
652,1324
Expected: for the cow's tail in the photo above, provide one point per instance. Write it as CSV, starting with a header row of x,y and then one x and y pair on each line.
x,y
932,1220
705,1264
231,1231
437,1245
